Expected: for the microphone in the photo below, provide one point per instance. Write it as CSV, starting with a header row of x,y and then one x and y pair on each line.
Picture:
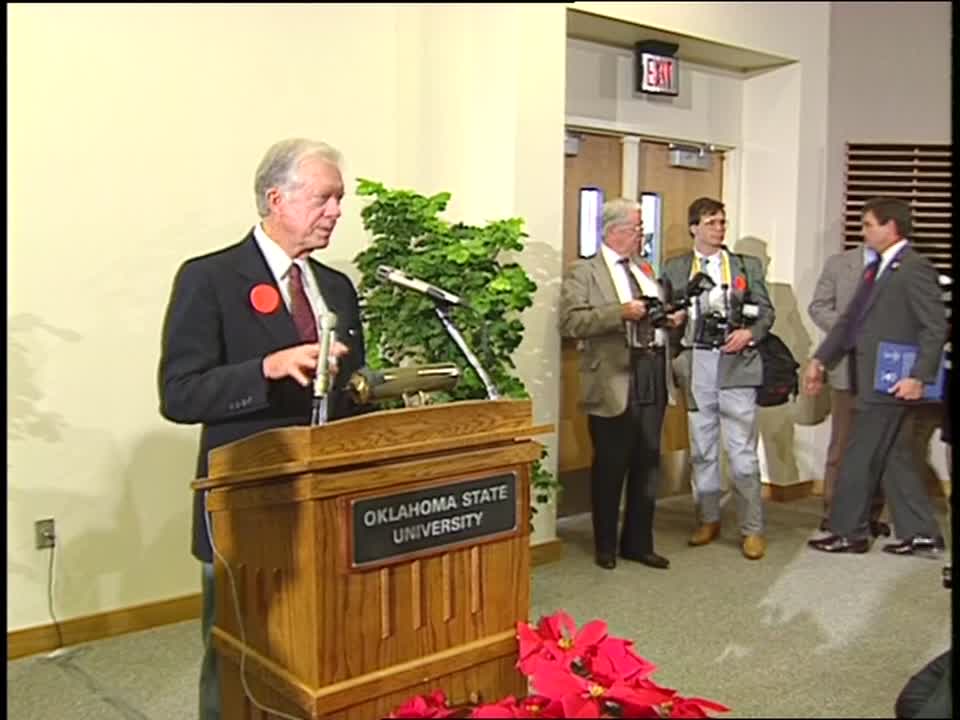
x,y
321,382
367,385
398,277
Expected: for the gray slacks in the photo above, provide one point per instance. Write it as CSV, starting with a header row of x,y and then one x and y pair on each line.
x,y
731,412
882,449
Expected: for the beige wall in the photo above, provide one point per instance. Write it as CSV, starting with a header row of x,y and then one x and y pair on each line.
x,y
134,134
890,65
600,90
889,82
774,184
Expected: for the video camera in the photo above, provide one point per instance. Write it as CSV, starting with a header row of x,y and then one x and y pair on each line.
x,y
657,310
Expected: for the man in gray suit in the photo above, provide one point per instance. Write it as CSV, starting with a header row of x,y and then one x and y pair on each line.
x,y
721,372
835,288
897,300
624,385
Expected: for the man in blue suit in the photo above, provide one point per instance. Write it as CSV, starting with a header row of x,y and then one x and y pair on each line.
x,y
240,339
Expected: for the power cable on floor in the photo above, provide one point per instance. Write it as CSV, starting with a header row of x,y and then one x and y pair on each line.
x,y
50,584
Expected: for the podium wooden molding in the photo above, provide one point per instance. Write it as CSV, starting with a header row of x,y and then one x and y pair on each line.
x,y
323,639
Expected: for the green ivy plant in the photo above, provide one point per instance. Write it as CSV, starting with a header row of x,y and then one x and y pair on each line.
x,y
401,326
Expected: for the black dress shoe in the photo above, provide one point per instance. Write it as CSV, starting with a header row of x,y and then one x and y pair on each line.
x,y
840,544
607,561
650,559
919,545
879,529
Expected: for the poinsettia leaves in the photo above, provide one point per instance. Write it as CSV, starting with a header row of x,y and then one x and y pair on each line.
x,y
578,673
433,705
694,708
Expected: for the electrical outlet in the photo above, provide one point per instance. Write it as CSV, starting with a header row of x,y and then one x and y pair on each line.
x,y
43,533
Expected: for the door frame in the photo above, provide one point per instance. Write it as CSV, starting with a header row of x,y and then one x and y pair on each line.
x,y
633,135
676,462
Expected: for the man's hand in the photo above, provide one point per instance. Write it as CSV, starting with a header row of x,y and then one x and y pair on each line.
x,y
737,340
634,310
298,362
813,377
338,351
907,389
678,318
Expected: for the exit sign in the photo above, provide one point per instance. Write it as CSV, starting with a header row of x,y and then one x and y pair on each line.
x,y
659,74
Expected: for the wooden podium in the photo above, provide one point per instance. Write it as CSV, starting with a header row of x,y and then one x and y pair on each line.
x,y
374,558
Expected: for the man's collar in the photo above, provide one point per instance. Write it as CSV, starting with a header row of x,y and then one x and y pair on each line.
x,y
893,249
609,254
276,256
701,256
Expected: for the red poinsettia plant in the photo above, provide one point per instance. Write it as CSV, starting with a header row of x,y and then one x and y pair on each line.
x,y
585,673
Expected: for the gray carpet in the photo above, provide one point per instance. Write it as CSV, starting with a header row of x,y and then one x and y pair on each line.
x,y
797,634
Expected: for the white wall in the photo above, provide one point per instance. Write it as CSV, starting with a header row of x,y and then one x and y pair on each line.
x,y
600,87
863,71
135,131
134,134
890,65
781,141
889,82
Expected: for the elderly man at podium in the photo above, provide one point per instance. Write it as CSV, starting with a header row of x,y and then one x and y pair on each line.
x,y
240,339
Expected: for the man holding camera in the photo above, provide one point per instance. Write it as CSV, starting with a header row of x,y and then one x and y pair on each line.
x,y
721,369
613,306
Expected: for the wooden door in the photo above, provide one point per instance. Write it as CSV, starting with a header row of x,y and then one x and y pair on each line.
x,y
677,187
598,163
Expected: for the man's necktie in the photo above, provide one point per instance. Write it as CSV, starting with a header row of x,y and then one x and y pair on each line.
x,y
859,301
643,332
300,308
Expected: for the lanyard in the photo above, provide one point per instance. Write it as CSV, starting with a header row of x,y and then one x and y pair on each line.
x,y
697,266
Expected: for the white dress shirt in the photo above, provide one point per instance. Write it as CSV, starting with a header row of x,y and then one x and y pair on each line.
x,y
712,265
888,255
280,263
618,273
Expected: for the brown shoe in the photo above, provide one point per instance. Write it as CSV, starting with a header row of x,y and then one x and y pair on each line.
x,y
706,533
754,546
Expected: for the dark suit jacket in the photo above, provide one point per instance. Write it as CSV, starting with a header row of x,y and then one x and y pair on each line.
x,y
904,306
214,342
742,369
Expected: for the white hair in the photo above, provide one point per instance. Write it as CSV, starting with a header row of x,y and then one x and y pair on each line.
x,y
617,212
281,164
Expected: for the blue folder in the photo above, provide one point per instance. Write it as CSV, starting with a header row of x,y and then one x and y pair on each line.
x,y
895,361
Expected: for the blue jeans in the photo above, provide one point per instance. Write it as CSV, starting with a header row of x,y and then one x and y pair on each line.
x,y
209,670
